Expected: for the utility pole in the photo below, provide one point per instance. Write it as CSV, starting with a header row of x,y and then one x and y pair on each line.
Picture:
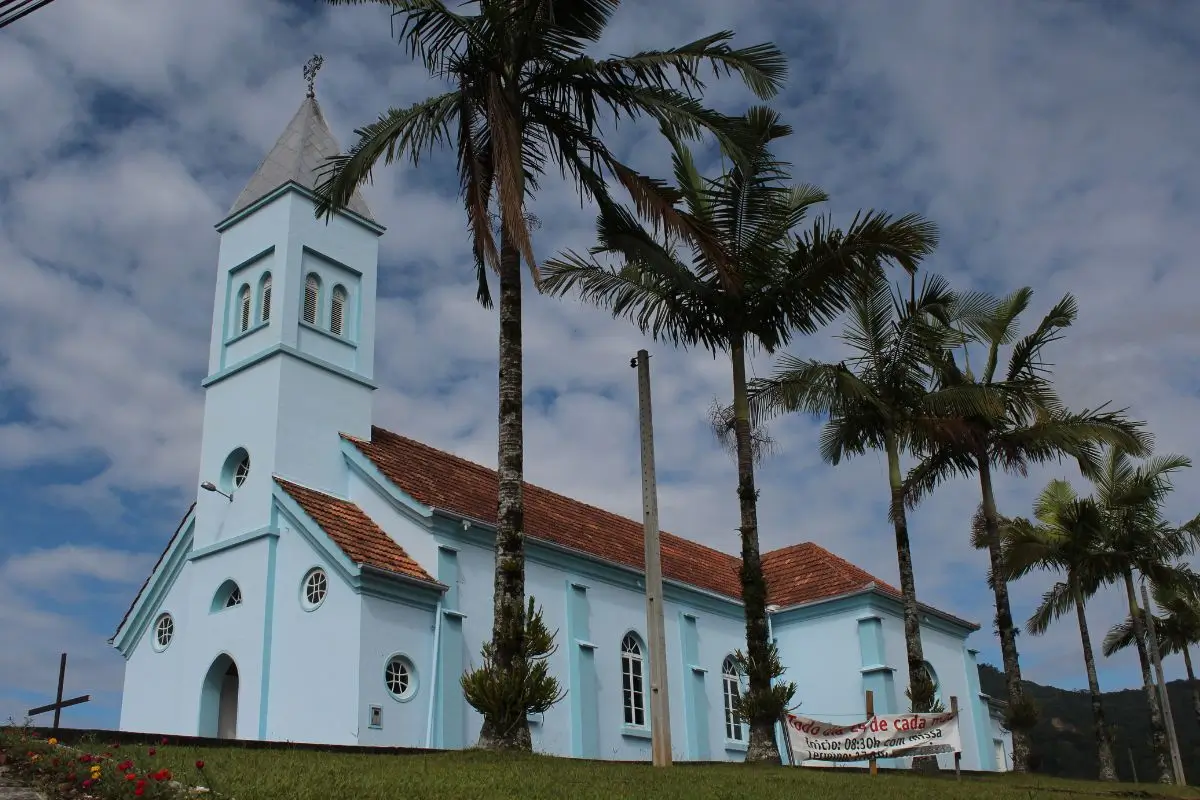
x,y
1165,701
660,710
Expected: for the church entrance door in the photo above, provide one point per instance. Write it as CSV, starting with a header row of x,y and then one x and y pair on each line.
x,y
219,699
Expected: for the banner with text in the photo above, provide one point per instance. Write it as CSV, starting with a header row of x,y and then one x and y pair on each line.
x,y
879,736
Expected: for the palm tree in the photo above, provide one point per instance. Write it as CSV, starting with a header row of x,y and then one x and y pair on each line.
x,y
1067,538
886,400
1177,631
525,98
743,277
1034,428
1138,539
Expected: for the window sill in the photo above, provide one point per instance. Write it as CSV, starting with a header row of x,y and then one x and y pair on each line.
x,y
308,326
255,328
635,731
739,747
534,719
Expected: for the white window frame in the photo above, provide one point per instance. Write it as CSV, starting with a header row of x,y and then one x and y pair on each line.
x,y
731,689
319,580
164,628
633,681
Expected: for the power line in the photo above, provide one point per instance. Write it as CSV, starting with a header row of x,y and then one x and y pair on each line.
x,y
13,10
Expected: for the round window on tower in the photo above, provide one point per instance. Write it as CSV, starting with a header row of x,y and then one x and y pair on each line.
x,y
235,470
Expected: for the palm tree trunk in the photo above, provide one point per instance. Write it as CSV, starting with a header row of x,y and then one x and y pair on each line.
x,y
1158,727
1108,767
908,594
1187,662
1004,619
509,729
762,746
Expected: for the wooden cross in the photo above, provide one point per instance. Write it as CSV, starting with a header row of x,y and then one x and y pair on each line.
x,y
59,704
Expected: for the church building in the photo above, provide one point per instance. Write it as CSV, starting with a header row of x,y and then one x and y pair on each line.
x,y
333,580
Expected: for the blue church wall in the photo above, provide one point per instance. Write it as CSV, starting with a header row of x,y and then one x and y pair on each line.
x,y
405,523
392,630
314,409
233,421
153,698
314,674
943,644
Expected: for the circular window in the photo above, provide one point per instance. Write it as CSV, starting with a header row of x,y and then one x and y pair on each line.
x,y
164,632
315,588
400,678
235,470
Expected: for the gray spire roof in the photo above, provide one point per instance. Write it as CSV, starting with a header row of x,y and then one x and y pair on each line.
x,y
297,156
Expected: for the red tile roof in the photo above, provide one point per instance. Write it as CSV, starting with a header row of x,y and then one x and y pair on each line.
x,y
447,482
802,573
354,532
798,574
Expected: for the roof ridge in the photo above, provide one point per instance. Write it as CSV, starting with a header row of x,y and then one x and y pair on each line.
x,y
488,470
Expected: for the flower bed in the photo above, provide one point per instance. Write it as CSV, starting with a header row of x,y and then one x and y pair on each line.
x,y
94,772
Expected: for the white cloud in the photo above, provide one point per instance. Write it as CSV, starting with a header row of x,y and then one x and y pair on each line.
x,y
1053,146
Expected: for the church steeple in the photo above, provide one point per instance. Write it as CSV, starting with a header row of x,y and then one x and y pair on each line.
x,y
292,355
299,155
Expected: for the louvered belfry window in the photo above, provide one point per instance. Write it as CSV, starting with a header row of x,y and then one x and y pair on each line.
x,y
312,289
244,309
265,312
337,311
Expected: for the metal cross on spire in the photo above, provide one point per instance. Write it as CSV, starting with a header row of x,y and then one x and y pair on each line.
x,y
311,67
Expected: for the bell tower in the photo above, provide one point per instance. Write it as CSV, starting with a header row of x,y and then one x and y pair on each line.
x,y
292,354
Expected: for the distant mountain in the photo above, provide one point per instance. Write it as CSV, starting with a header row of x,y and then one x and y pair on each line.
x,y
1065,743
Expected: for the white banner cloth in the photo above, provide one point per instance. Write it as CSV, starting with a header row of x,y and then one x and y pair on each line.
x,y
879,736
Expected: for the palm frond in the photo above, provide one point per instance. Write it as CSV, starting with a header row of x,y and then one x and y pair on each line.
x,y
1055,603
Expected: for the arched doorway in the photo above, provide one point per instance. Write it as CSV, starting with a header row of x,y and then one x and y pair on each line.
x,y
219,699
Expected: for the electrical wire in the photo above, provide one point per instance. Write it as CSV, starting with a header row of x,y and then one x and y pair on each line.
x,y
13,10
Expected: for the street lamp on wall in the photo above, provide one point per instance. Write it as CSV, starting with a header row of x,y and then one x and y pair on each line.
x,y
209,486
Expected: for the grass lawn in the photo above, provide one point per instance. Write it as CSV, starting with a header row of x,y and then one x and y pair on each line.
x,y
305,775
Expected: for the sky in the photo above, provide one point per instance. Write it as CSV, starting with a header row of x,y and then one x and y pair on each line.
x,y
1054,144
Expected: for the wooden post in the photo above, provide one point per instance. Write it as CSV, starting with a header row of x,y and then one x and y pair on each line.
x,y
874,765
957,754
660,714
1165,701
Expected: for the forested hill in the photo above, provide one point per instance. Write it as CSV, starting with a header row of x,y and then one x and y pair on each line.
x,y
1066,745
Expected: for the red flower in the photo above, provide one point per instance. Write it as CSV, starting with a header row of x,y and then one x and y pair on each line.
x,y
129,776
87,783
85,758
71,776
139,790
150,752
163,774
125,765
54,761
199,765
164,740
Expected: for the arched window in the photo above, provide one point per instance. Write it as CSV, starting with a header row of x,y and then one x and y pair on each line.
x,y
633,680
312,291
228,595
730,690
264,308
243,309
337,311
